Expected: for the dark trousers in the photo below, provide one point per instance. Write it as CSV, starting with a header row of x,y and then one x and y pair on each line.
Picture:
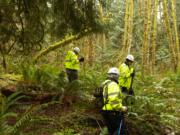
x,y
129,93
72,74
113,119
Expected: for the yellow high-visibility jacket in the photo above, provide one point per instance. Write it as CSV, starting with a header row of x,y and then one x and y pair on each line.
x,y
125,75
112,96
71,61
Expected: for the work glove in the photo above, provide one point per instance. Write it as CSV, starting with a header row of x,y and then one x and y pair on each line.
x,y
124,109
131,91
81,59
133,74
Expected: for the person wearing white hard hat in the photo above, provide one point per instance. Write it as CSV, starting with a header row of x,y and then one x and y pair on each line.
x,y
72,62
112,110
127,74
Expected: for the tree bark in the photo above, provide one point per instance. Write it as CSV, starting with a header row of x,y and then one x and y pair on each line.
x,y
169,34
128,27
154,36
173,2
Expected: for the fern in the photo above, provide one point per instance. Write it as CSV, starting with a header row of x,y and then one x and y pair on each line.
x,y
155,105
5,104
5,113
46,77
25,119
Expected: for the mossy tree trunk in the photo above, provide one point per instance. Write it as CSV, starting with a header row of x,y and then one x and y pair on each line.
x,y
130,32
102,37
154,36
128,28
173,2
60,43
147,36
170,34
140,8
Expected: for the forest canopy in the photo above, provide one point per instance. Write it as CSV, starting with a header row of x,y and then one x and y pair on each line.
x,y
24,23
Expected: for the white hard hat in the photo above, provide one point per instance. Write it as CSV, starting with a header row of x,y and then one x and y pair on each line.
x,y
113,70
130,57
76,49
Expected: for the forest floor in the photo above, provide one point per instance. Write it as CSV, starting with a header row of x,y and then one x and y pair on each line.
x,y
67,119
70,116
63,115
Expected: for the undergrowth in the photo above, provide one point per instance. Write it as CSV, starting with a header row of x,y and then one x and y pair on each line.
x,y
155,107
46,77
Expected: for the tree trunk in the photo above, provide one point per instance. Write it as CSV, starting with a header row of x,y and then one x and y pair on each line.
x,y
147,36
102,36
154,36
176,33
90,50
128,27
4,61
170,35
140,8
130,37
103,48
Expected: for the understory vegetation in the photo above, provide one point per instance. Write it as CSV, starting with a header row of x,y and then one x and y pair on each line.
x,y
154,109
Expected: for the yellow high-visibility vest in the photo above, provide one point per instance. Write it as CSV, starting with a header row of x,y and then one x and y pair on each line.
x,y
71,61
112,97
125,75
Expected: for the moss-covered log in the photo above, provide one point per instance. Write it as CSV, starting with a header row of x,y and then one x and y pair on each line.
x,y
60,43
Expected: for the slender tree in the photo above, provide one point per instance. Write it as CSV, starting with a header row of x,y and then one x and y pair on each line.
x,y
173,2
147,35
169,34
128,27
102,36
140,7
154,35
90,49
130,32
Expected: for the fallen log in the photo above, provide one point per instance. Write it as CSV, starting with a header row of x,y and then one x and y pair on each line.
x,y
37,96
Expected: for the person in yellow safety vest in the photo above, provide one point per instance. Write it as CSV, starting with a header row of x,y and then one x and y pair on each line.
x,y
127,74
72,62
112,111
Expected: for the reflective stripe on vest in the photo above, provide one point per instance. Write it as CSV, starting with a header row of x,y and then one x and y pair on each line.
x,y
112,97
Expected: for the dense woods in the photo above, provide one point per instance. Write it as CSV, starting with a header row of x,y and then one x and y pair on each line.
x,y
35,36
